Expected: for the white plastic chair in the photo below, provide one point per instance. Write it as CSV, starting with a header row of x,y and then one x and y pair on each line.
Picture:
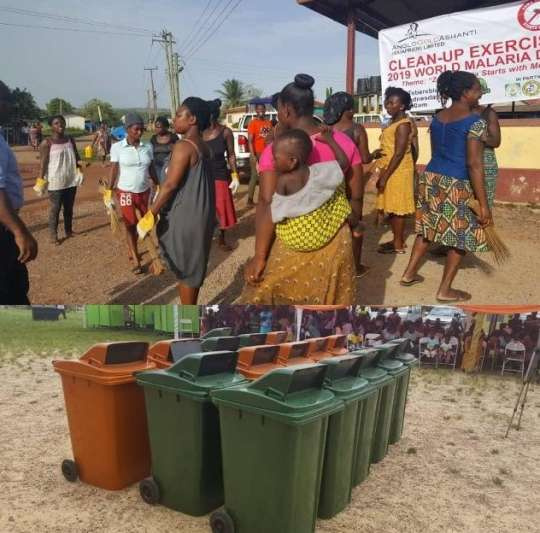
x,y
514,356
370,339
186,326
422,352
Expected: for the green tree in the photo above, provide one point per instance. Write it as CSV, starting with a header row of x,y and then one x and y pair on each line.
x,y
24,106
90,111
233,93
59,106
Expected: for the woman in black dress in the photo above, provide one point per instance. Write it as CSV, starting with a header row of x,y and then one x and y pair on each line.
x,y
220,141
162,144
186,202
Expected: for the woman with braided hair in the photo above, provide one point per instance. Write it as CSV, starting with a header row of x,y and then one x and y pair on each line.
x,y
454,175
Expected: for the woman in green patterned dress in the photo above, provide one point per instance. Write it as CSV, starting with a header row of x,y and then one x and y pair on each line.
x,y
454,176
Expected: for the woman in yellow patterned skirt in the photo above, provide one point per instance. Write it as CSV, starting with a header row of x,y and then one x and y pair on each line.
x,y
396,169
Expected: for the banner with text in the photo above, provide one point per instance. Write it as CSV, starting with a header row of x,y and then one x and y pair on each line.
x,y
500,44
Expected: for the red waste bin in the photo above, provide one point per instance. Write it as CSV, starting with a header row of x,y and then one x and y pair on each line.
x,y
255,361
276,337
294,353
106,415
318,349
337,344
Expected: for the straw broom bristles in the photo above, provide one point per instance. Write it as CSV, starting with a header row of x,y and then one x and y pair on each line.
x,y
500,251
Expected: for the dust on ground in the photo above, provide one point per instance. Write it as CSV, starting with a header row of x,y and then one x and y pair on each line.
x,y
452,471
93,267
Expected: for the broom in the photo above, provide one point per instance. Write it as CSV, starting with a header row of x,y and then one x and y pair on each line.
x,y
500,251
156,266
111,209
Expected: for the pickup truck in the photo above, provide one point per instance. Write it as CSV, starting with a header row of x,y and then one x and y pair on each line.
x,y
241,143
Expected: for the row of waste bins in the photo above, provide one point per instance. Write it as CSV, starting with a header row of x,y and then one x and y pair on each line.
x,y
277,452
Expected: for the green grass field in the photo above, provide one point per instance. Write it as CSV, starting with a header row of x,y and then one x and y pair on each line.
x,y
19,334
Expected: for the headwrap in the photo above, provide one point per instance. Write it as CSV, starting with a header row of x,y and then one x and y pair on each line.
x,y
335,105
133,118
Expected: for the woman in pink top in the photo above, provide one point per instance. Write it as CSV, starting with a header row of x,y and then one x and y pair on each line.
x,y
276,275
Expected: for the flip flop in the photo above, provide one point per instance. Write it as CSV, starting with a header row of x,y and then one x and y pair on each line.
x,y
388,248
410,283
465,296
364,270
137,270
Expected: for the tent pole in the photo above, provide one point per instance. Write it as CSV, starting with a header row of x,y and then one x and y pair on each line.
x,y
351,45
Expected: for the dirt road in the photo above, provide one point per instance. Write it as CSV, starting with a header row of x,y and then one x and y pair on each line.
x,y
93,267
451,472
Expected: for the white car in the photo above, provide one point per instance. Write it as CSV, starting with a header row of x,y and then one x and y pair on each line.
x,y
445,314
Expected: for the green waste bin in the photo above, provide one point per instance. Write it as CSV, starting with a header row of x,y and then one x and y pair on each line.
x,y
400,373
219,344
386,387
343,432
273,435
252,339
183,426
366,421
410,361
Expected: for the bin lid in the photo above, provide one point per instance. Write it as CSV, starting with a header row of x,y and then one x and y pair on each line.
x,y
220,344
174,350
252,339
195,375
388,350
108,363
342,377
392,366
217,332
292,395
375,376
407,358
264,354
318,344
402,342
370,356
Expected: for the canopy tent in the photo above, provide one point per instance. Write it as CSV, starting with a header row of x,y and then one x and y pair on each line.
x,y
501,309
371,16
301,308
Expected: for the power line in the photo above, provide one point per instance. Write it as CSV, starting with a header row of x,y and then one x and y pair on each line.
x,y
213,30
36,26
202,29
76,20
194,28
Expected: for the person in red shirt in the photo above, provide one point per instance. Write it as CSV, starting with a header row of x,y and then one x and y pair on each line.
x,y
258,129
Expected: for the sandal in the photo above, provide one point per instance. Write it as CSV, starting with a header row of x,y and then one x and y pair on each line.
x,y
362,271
388,248
137,270
411,282
463,296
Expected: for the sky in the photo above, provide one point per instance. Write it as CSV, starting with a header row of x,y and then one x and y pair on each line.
x,y
262,42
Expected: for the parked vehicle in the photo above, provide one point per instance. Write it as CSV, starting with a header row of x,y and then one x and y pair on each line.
x,y
445,314
241,141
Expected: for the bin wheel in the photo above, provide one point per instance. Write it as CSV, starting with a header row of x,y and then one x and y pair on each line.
x,y
149,490
221,522
70,470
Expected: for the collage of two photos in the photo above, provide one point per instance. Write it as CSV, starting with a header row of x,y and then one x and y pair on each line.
x,y
270,267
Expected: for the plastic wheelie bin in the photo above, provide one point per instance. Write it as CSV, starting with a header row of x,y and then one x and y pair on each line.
x,y
294,353
183,426
343,432
386,386
252,339
164,353
318,349
106,417
337,344
410,361
400,373
220,344
276,337
273,435
255,361
217,332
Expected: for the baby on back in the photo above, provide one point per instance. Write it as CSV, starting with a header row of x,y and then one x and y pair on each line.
x,y
301,189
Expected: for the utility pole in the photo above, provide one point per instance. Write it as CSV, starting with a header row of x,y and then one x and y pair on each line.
x,y
152,96
177,68
166,40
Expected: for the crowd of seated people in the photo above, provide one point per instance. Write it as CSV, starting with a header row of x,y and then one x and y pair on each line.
x,y
516,338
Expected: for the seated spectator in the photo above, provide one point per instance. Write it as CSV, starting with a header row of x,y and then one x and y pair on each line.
x,y
389,332
447,350
430,345
515,346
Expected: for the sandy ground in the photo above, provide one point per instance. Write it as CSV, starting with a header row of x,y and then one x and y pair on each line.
x,y
451,472
93,267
